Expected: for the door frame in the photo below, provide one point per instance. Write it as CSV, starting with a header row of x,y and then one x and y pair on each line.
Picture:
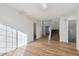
x,y
34,31
75,31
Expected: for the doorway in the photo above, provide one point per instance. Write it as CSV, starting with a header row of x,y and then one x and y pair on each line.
x,y
55,34
34,31
47,30
72,31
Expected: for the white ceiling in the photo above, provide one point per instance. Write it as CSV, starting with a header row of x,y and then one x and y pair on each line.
x,y
53,10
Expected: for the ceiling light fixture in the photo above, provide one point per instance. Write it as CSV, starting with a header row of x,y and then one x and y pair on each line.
x,y
44,5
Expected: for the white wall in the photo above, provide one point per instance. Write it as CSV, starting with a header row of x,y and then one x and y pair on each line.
x,y
77,40
39,29
63,30
12,18
55,23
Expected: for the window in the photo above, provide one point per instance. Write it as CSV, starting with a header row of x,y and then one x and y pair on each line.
x,y
22,39
9,39
2,38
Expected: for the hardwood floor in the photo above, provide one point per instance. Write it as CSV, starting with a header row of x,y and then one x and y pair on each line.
x,y
43,47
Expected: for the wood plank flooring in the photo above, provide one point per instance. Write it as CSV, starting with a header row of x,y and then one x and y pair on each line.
x,y
43,47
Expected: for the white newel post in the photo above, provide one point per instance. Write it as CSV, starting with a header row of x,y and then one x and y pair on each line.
x,y
49,37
